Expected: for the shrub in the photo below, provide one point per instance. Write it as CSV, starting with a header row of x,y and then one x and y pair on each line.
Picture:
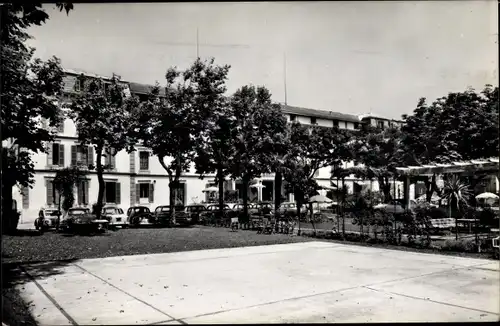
x,y
459,245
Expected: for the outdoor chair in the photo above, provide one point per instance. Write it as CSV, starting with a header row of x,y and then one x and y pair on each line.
x,y
234,224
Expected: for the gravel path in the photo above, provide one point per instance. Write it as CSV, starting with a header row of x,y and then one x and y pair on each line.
x,y
31,247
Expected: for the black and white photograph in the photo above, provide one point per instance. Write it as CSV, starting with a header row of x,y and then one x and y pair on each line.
x,y
173,163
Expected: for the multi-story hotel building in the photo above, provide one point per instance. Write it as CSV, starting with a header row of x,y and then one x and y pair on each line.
x,y
138,177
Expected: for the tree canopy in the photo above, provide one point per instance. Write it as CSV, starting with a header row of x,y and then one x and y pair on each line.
x,y
30,89
260,128
103,117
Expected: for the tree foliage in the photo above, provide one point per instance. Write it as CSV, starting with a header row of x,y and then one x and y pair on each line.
x,y
214,148
379,151
311,148
65,181
459,126
103,119
30,88
260,128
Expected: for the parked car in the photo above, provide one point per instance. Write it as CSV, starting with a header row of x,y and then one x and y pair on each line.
x,y
139,215
195,211
48,218
81,220
162,215
211,214
114,215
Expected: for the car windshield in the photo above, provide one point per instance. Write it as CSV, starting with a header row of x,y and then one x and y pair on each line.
x,y
195,208
162,209
53,213
113,210
78,211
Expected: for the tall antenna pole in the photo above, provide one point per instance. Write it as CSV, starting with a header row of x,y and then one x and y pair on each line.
x,y
284,69
197,44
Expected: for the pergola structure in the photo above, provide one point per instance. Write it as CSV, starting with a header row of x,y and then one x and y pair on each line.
x,y
488,165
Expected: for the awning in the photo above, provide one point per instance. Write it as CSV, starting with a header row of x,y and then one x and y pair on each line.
x,y
484,165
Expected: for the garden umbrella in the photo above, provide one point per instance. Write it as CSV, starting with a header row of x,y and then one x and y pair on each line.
x,y
211,189
320,199
487,195
257,185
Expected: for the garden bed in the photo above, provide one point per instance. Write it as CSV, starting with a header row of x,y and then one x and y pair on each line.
x,y
460,248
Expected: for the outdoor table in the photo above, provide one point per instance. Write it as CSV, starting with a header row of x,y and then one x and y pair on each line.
x,y
468,221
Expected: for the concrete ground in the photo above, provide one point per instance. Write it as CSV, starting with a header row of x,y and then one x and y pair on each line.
x,y
292,283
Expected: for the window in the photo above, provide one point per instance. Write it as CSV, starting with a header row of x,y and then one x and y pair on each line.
x,y
336,123
313,121
52,193
83,192
293,117
78,84
112,192
60,127
81,155
180,196
144,190
380,124
356,125
55,154
144,161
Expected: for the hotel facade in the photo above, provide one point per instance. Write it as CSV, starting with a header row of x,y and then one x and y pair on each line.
x,y
137,178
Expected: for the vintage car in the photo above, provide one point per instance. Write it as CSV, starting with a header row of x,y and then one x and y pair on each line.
x,y
48,218
81,220
192,216
211,215
114,215
163,216
139,215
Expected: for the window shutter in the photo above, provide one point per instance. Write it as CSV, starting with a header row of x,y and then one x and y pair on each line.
x,y
49,188
73,155
56,199
49,155
118,193
79,192
113,162
90,155
151,192
26,197
86,192
61,155
137,192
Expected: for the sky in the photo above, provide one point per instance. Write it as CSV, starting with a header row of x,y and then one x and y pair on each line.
x,y
349,57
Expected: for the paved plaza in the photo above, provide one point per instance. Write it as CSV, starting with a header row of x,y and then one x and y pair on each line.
x,y
291,283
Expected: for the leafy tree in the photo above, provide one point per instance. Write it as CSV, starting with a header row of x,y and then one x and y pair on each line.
x,y
214,149
30,87
311,148
103,119
457,194
64,181
380,152
260,127
177,122
459,126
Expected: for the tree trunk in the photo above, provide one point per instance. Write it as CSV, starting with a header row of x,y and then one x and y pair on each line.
x,y
278,180
9,216
312,218
100,178
220,181
386,188
172,184
245,181
299,206
343,206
